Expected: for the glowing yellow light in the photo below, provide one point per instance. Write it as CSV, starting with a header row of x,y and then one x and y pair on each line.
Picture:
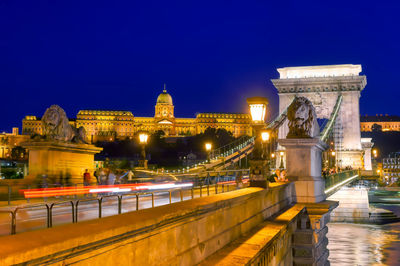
x,y
257,112
208,146
341,183
333,153
281,153
273,155
143,137
378,171
258,106
265,136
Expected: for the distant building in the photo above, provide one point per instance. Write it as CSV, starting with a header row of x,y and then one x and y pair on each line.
x,y
387,122
391,167
8,141
110,125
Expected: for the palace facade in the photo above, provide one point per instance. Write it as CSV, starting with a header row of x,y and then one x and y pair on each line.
x,y
8,141
102,125
387,122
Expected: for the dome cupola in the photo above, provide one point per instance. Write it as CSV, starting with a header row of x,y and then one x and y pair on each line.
x,y
164,97
164,106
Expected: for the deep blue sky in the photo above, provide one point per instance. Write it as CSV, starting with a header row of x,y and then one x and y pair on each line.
x,y
211,54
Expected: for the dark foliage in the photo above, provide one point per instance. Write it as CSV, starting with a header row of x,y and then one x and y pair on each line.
x,y
163,152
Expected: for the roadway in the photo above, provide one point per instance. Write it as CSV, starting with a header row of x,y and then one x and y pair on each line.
x,y
34,216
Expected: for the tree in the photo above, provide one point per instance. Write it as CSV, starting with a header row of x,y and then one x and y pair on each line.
x,y
376,128
18,153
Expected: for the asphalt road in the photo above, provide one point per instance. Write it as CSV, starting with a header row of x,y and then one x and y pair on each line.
x,y
34,217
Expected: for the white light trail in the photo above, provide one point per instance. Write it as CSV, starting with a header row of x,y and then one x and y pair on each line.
x,y
166,186
341,183
111,189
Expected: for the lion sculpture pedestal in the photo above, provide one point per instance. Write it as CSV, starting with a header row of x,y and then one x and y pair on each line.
x,y
62,154
59,162
303,160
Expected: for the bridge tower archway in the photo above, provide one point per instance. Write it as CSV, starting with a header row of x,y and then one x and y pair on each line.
x,y
322,85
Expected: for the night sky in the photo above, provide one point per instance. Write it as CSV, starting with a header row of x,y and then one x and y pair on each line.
x,y
116,55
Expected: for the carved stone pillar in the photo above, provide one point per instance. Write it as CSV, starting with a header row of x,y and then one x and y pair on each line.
x,y
303,167
309,240
367,145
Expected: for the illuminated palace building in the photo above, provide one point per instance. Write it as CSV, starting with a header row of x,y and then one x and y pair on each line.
x,y
101,125
387,122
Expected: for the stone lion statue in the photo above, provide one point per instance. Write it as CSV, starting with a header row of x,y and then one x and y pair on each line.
x,y
56,126
302,119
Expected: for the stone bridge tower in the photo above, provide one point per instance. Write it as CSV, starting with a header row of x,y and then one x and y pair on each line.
x,y
322,85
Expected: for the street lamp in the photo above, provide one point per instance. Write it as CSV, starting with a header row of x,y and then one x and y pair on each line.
x,y
259,169
333,153
281,167
208,149
375,152
264,139
143,138
258,106
265,136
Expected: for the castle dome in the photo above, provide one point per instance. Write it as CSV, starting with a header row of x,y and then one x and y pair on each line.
x,y
164,97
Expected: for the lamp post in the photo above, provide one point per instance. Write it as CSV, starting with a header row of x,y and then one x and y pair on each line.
x,y
208,149
273,160
259,169
333,154
264,142
143,138
281,166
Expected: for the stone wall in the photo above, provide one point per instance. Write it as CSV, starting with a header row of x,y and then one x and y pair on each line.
x,y
182,233
353,205
269,243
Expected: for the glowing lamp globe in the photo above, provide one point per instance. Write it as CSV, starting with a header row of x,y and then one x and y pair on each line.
x,y
258,106
143,137
264,136
208,146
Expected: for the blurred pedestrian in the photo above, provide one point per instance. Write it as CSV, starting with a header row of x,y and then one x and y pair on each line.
x,y
96,175
130,175
86,178
110,178
102,177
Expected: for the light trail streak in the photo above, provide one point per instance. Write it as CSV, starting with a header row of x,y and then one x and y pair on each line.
x,y
341,183
52,192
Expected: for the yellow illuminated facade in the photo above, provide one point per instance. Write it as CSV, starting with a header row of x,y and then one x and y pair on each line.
x,y
8,141
387,122
101,125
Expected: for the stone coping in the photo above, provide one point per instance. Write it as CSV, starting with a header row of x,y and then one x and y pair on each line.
x,y
244,249
60,145
37,246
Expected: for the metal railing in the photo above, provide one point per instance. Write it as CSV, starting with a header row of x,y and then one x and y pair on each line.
x,y
279,119
224,150
121,200
329,127
338,180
